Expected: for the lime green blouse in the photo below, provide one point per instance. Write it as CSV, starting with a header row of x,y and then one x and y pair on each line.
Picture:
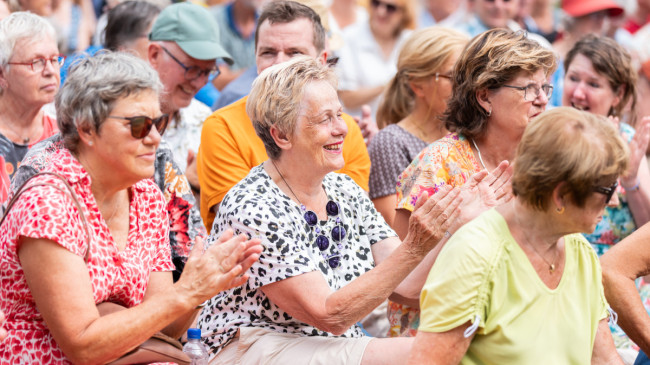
x,y
483,276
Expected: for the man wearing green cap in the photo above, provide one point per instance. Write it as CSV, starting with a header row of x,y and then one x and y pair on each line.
x,y
184,48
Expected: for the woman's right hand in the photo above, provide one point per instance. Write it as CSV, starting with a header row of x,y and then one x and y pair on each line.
x,y
484,191
221,267
431,219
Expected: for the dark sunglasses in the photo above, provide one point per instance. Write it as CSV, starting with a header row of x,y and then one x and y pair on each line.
x,y
608,192
141,125
390,8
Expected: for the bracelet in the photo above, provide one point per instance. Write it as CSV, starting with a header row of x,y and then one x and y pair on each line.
x,y
632,188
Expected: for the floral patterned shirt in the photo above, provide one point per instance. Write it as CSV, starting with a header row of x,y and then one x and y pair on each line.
x,y
184,217
258,208
117,276
447,161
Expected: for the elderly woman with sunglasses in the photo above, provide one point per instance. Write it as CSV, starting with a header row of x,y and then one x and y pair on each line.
x,y
29,79
94,229
519,284
368,58
329,257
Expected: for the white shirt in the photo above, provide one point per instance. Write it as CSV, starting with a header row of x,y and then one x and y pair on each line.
x,y
184,134
362,63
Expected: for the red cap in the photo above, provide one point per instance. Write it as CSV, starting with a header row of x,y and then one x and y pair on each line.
x,y
578,8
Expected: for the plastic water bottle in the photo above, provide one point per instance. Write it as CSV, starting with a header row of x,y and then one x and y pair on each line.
x,y
195,349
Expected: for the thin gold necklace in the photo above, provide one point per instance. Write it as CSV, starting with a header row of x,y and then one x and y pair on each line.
x,y
551,266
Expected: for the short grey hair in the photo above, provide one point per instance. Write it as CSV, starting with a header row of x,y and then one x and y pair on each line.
x,y
93,86
21,25
277,94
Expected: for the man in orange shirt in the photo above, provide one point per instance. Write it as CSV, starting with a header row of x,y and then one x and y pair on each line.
x,y
229,145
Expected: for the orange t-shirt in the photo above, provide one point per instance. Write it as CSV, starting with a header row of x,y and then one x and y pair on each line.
x,y
230,148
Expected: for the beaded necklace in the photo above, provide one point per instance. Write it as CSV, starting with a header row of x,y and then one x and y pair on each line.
x,y
322,242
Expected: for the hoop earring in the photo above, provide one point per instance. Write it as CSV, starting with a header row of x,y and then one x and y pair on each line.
x,y
560,210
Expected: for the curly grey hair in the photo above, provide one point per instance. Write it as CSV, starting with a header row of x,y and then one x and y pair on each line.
x,y
93,86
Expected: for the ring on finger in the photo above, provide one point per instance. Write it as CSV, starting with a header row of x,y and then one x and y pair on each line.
x,y
447,234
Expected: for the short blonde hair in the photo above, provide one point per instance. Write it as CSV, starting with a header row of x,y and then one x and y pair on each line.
x,y
422,56
564,144
276,95
491,60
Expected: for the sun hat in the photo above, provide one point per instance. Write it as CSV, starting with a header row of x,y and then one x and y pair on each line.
x,y
578,8
194,30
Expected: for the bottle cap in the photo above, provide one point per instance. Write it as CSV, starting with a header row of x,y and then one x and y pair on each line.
x,y
193,333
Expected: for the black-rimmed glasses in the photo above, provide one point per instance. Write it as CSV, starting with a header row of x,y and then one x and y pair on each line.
x,y
531,92
38,64
607,191
141,125
194,72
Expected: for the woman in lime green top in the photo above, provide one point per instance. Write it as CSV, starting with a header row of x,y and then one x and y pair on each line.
x,y
519,285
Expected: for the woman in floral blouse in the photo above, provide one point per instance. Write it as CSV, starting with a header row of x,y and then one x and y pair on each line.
x,y
500,84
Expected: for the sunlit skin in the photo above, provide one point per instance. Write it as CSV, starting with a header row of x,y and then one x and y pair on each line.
x,y
495,13
510,112
384,23
178,90
320,129
126,159
279,42
586,89
30,87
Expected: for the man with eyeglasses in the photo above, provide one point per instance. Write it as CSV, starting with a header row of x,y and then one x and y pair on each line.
x,y
184,48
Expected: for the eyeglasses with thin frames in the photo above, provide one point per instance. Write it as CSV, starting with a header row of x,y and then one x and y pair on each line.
x,y
141,125
531,91
445,76
194,72
607,191
390,8
38,64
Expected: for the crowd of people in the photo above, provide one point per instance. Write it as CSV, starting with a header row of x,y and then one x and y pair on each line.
x,y
332,182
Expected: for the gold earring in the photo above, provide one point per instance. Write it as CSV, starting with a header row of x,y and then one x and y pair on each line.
x,y
560,210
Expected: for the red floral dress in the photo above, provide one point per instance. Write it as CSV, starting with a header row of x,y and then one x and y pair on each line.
x,y
120,277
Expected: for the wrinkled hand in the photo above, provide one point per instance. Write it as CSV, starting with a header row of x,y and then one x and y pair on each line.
x,y
366,124
638,147
483,191
431,218
221,267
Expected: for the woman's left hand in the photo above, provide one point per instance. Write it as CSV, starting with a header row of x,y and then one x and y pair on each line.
x,y
638,147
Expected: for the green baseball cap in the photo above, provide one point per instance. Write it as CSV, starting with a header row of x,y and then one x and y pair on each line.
x,y
194,30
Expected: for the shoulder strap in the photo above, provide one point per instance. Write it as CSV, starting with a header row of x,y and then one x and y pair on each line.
x,y
23,187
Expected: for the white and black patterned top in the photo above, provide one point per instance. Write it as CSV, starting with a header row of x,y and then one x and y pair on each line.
x,y
257,207
391,151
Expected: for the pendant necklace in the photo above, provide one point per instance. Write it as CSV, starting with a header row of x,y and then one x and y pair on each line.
x,y
551,266
480,158
337,233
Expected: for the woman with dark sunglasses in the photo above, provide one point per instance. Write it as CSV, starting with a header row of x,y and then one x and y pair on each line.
x,y
519,284
368,58
29,79
99,231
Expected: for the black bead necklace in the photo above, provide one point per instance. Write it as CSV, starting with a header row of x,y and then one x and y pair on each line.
x,y
322,242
